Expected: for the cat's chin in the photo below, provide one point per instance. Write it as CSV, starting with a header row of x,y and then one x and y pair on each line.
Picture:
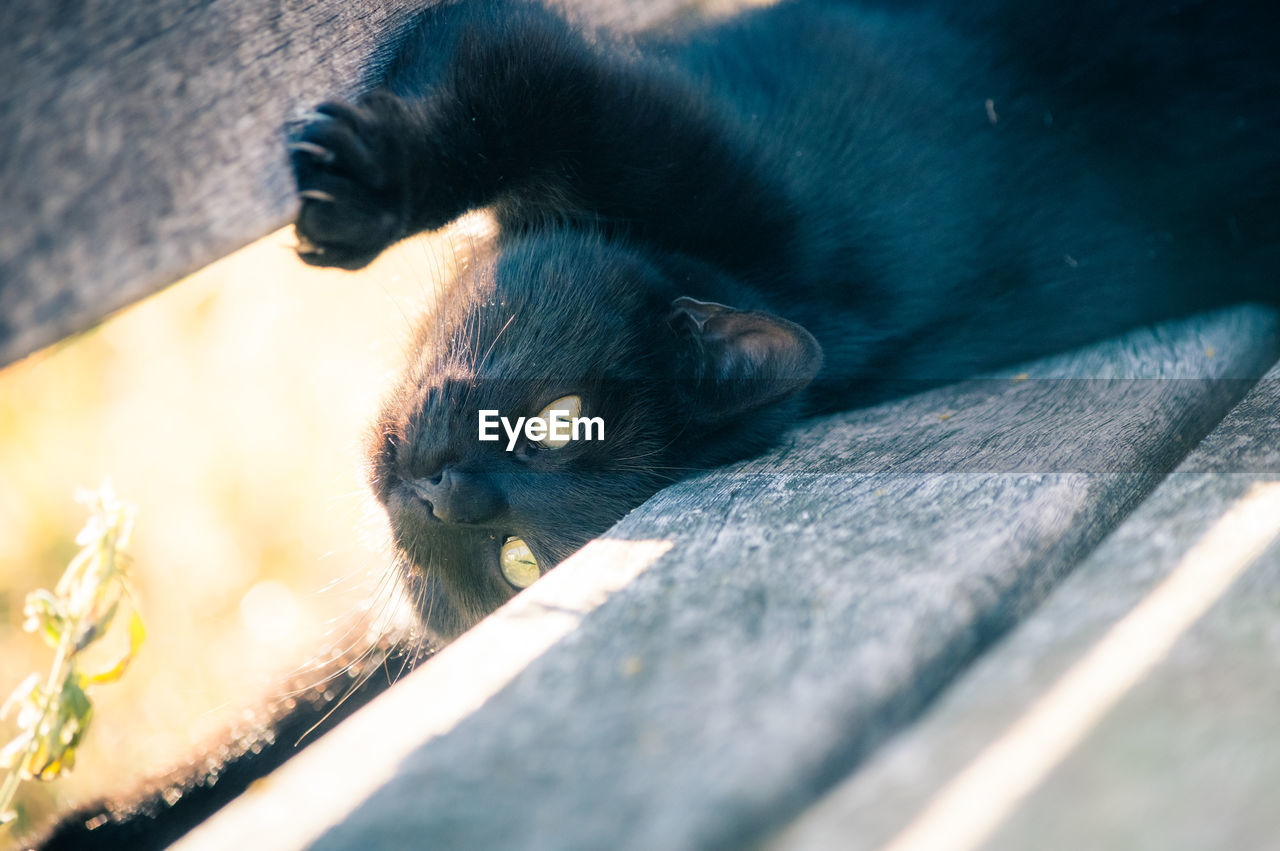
x,y
454,578
457,566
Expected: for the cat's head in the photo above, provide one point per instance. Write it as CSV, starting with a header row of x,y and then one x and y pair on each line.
x,y
676,382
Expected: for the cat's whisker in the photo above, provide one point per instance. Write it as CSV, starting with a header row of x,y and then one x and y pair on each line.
x,y
362,625
362,678
489,351
410,651
328,677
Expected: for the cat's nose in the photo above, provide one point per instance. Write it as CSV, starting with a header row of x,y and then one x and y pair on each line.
x,y
460,496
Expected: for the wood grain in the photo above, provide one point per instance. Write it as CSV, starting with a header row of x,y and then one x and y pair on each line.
x,y
812,601
1194,739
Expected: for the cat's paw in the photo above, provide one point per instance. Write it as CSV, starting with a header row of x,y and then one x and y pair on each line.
x,y
347,166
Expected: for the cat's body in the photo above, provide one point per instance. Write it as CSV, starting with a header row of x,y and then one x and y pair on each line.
x,y
973,185
930,189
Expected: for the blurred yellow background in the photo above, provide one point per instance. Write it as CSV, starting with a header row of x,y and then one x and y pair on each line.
x,y
230,409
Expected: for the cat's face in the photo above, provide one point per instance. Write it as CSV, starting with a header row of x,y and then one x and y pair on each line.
x,y
596,331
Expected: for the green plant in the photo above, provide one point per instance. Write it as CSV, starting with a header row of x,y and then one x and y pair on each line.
x,y
54,710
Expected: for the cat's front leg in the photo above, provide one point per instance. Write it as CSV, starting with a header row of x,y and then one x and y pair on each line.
x,y
505,105
385,167
483,101
352,164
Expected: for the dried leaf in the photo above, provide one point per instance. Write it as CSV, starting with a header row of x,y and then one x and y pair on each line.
x,y
137,634
53,722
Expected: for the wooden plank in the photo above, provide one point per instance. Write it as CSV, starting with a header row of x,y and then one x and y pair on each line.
x,y
140,141
1186,756
786,615
145,140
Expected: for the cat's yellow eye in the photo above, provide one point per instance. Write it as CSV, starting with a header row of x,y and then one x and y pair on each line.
x,y
568,408
519,567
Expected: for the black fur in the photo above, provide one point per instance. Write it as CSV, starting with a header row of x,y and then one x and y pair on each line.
x,y
312,703
930,189
709,234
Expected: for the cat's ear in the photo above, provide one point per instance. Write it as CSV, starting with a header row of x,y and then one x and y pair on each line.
x,y
734,361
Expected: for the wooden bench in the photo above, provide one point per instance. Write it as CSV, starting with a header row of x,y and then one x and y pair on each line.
x,y
729,664
747,638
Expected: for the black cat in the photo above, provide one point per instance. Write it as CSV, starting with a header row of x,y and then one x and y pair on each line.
x,y
706,235
809,207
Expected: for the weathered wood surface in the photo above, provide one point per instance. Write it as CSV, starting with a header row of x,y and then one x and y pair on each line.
x,y
799,608
1189,758
142,141
810,601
